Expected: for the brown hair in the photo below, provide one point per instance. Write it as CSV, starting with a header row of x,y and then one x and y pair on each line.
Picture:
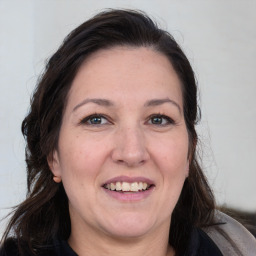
x,y
44,214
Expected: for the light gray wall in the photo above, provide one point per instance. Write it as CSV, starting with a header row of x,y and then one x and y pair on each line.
x,y
218,37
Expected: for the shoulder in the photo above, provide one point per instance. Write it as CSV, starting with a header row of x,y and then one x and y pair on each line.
x,y
9,248
55,248
201,244
231,237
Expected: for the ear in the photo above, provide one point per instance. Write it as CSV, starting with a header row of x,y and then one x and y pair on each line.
x,y
191,153
187,168
54,163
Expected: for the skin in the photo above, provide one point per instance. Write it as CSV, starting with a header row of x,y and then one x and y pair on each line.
x,y
132,138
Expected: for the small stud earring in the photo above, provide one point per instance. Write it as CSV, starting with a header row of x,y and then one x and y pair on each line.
x,y
57,179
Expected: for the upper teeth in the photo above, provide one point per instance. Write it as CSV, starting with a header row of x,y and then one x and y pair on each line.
x,y
125,186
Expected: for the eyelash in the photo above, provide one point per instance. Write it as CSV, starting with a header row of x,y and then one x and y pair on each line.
x,y
169,120
87,120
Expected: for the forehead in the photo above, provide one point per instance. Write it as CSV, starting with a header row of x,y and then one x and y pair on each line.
x,y
124,72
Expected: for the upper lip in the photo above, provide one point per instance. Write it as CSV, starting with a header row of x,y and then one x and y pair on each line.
x,y
129,180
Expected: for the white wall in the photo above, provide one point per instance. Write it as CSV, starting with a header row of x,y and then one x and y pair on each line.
x,y
219,38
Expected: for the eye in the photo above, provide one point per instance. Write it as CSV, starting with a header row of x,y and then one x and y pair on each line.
x,y
161,120
96,119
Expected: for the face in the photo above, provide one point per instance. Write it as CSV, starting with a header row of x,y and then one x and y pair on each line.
x,y
123,146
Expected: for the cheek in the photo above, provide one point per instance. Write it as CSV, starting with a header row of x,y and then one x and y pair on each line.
x,y
173,153
76,151
81,160
173,164
79,168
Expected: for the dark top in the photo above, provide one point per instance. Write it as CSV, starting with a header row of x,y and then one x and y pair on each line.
x,y
200,245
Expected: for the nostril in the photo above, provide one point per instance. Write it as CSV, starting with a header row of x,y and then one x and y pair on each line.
x,y
130,148
130,163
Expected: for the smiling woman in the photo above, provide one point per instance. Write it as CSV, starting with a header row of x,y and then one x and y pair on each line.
x,y
134,136
111,150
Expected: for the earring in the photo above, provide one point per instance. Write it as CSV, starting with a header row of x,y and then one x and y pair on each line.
x,y
57,179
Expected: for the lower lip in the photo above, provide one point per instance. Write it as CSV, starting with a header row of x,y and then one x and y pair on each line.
x,y
130,196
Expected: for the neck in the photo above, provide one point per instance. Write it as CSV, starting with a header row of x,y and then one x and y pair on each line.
x,y
88,244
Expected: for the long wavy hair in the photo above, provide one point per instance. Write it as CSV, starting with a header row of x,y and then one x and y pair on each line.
x,y
44,215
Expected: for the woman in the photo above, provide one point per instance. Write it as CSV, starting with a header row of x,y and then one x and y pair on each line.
x,y
111,144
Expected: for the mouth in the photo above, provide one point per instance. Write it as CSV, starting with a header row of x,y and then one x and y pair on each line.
x,y
128,187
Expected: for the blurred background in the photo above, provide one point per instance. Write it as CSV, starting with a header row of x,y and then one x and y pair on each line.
x,y
218,37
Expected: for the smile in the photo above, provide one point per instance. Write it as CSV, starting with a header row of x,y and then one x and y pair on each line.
x,y
127,186
129,189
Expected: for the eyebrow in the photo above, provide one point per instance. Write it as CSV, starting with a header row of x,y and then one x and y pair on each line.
x,y
100,102
108,103
157,102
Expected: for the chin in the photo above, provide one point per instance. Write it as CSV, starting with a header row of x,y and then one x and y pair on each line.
x,y
129,226
130,233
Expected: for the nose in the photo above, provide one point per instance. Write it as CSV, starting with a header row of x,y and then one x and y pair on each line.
x,y
130,147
